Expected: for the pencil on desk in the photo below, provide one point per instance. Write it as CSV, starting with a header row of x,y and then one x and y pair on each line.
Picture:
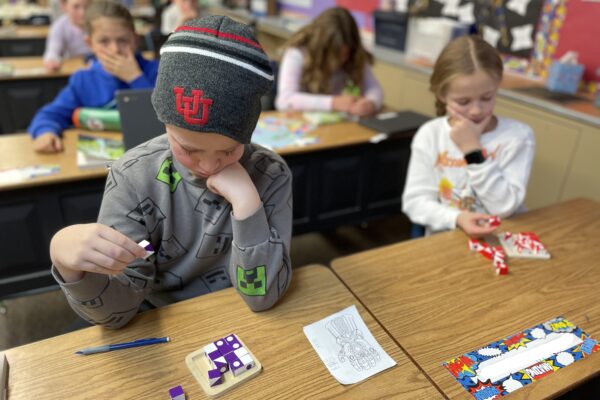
x,y
120,346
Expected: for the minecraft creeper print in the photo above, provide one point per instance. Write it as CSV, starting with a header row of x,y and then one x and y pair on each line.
x,y
252,282
168,174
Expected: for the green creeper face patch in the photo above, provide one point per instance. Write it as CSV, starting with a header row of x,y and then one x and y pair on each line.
x,y
252,282
168,174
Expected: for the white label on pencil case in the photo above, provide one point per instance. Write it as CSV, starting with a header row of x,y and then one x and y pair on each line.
x,y
515,360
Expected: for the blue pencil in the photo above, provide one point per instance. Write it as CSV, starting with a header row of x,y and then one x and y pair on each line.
x,y
119,346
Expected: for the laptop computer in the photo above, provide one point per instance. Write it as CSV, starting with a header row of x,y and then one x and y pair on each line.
x,y
139,122
394,123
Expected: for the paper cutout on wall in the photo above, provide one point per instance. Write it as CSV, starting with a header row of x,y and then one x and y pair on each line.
x,y
522,37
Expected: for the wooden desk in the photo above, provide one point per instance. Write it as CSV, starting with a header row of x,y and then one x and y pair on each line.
x,y
29,88
33,68
21,41
291,368
19,153
439,300
343,179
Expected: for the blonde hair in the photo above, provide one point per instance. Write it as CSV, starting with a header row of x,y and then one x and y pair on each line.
x,y
108,9
463,56
324,39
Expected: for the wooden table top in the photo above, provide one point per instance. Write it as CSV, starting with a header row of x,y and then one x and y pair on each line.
x,y
339,134
24,32
291,368
439,300
33,67
18,151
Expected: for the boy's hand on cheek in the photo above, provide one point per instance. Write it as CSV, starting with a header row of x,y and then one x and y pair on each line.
x,y
92,248
465,133
235,185
124,67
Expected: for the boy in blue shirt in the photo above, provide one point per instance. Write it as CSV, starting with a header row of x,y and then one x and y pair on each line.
x,y
117,66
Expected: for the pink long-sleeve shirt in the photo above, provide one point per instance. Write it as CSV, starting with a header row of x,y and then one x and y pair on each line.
x,y
65,40
291,97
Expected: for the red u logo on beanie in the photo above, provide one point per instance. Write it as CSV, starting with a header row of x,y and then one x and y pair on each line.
x,y
188,106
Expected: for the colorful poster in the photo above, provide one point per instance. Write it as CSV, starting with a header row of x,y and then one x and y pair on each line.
x,y
502,367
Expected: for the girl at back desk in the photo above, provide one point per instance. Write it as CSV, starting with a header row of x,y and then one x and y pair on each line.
x,y
67,36
326,68
468,164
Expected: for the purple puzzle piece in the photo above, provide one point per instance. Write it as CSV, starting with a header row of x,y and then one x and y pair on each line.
x,y
177,393
148,247
223,346
215,377
220,364
211,351
233,341
236,365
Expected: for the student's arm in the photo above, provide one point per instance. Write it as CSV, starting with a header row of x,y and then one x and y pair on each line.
x,y
53,51
420,198
372,88
56,116
147,79
260,266
289,94
89,261
501,182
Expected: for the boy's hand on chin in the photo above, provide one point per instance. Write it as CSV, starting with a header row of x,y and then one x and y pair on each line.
x,y
235,185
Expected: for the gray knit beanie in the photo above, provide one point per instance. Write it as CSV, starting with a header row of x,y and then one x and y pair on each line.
x,y
211,77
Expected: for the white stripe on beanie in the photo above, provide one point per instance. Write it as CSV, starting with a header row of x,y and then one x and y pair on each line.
x,y
220,42
206,53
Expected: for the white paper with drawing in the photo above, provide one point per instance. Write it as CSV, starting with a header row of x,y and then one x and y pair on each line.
x,y
347,347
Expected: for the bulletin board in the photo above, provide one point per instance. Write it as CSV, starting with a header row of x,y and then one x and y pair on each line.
x,y
509,25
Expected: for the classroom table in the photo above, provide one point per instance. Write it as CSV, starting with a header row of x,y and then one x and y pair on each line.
x,y
31,86
340,180
440,300
19,41
291,368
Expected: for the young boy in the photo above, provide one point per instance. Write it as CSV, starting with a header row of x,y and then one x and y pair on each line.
x,y
217,209
113,41
67,37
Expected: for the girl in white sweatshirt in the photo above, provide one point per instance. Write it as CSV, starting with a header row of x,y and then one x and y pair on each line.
x,y
468,164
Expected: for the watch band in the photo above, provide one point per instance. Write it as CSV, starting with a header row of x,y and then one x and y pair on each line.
x,y
475,157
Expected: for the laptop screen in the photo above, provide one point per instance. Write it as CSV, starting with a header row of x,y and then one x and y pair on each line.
x,y
138,119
